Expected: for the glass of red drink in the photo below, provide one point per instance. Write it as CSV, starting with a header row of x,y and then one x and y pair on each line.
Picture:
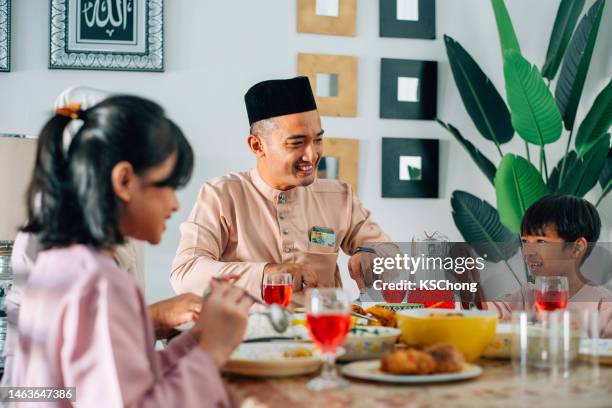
x,y
328,320
277,288
551,293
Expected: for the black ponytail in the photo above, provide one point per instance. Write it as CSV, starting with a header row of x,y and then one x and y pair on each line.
x,y
70,199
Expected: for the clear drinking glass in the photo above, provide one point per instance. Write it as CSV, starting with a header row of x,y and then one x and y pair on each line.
x,y
553,340
328,319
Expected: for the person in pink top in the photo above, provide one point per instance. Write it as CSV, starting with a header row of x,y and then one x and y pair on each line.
x,y
277,217
165,314
102,175
558,234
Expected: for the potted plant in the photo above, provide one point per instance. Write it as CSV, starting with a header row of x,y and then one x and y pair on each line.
x,y
540,118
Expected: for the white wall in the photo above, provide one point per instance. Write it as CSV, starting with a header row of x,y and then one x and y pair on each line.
x,y
216,49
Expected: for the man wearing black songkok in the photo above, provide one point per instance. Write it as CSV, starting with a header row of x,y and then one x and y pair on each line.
x,y
278,217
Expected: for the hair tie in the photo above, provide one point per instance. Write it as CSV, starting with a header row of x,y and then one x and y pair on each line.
x,y
72,111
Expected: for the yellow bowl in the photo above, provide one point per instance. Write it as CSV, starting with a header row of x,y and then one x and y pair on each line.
x,y
470,333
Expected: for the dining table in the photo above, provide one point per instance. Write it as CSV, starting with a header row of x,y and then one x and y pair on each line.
x,y
500,385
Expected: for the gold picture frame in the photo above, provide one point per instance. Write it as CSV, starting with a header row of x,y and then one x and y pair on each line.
x,y
344,68
344,23
346,150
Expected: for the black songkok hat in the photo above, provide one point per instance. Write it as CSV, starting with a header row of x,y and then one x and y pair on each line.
x,y
279,97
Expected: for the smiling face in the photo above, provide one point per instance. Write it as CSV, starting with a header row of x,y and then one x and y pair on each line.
x,y
147,205
547,254
288,152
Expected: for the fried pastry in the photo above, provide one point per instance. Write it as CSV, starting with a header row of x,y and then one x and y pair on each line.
x,y
410,361
384,316
448,358
358,309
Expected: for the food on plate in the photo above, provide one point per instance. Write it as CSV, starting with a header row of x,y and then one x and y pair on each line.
x,y
384,316
438,358
297,352
409,361
363,332
358,309
448,358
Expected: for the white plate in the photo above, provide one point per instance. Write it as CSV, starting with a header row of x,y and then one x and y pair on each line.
x,y
267,360
370,370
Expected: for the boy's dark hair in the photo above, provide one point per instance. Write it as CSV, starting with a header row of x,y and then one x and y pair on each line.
x,y
71,199
573,217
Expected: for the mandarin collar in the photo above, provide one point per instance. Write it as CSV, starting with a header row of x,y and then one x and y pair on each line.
x,y
270,193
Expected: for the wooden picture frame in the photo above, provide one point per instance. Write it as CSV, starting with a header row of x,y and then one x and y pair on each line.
x,y
84,35
340,22
346,151
5,35
344,68
410,168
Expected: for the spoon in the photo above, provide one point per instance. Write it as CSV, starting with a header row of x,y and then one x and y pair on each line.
x,y
278,316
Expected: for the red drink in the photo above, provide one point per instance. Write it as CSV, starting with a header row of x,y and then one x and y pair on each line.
x,y
328,330
432,298
393,296
280,294
551,300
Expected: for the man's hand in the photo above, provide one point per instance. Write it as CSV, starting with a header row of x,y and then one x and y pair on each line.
x,y
169,313
222,322
360,269
299,272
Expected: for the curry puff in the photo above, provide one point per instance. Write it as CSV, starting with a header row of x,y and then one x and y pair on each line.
x,y
438,358
410,361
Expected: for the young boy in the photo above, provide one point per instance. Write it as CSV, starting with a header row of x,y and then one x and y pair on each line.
x,y
558,233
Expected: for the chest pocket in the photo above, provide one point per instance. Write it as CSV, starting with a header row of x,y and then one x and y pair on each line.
x,y
313,248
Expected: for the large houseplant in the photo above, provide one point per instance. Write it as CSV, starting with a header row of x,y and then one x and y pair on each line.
x,y
539,118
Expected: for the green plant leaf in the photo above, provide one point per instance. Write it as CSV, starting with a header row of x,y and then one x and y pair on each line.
x,y
576,64
482,101
518,185
480,159
535,116
507,36
605,178
414,173
553,179
582,176
597,121
479,224
565,22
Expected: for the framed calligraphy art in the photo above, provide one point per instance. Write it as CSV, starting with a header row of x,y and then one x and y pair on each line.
x,y
5,35
116,35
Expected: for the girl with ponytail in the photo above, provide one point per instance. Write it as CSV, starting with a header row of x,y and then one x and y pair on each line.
x,y
102,175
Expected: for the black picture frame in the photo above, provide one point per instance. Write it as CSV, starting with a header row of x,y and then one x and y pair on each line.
x,y
427,74
426,184
84,35
5,35
422,28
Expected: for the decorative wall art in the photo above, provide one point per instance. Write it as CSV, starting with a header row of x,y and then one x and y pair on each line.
x,y
408,89
5,35
340,160
408,18
334,82
410,168
334,17
120,35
